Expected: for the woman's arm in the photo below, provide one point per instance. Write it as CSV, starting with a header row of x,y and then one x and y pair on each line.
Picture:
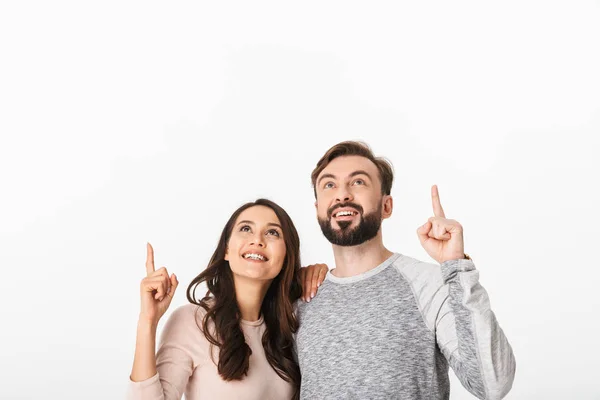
x,y
156,292
165,376
144,362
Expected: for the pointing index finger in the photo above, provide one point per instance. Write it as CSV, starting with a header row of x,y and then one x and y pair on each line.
x,y
149,259
438,211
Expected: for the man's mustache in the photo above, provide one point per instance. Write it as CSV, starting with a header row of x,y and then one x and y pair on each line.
x,y
342,205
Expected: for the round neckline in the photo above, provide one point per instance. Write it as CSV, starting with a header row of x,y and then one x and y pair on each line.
x,y
258,322
365,275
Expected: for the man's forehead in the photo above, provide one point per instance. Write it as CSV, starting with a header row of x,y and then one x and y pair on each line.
x,y
345,165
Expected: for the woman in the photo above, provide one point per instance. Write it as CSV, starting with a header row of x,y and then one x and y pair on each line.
x,y
237,341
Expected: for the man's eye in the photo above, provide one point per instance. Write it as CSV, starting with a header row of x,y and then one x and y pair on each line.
x,y
273,232
359,182
328,185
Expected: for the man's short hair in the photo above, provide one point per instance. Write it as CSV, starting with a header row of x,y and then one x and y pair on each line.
x,y
354,148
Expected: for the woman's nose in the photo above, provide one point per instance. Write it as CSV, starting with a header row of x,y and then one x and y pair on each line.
x,y
257,241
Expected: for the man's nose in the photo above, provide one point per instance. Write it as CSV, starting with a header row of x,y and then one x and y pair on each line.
x,y
343,195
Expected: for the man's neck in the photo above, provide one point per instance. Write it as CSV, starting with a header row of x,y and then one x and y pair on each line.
x,y
356,260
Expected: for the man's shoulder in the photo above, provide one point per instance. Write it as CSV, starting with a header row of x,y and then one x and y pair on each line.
x,y
417,272
322,291
427,284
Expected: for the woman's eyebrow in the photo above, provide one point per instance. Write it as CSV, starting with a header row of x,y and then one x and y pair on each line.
x,y
252,223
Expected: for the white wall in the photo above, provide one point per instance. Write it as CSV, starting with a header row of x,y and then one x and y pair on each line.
x,y
127,122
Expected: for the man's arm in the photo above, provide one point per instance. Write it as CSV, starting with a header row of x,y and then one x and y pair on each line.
x,y
465,326
469,335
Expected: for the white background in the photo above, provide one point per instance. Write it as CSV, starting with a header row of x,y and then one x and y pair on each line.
x,y
127,122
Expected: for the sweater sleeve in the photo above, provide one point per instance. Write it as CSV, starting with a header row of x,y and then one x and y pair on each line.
x,y
176,358
456,308
469,335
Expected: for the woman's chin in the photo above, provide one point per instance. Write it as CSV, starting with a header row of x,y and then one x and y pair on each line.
x,y
258,273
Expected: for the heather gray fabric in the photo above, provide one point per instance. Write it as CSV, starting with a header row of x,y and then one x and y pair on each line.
x,y
391,333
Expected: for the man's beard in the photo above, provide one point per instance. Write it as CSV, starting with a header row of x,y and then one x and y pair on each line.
x,y
367,227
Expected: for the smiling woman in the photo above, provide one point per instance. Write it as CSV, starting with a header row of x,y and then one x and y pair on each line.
x,y
238,339
257,245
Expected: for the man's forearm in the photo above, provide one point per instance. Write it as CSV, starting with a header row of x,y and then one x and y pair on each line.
x,y
480,355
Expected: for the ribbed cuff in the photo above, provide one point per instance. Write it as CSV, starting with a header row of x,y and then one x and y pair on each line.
x,y
451,268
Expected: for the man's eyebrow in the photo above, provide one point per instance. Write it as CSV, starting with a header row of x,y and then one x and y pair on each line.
x,y
325,176
358,172
252,223
361,172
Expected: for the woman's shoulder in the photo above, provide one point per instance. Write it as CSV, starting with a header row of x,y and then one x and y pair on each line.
x,y
187,316
183,331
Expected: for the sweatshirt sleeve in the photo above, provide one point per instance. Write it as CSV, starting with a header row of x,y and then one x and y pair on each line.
x,y
176,358
469,335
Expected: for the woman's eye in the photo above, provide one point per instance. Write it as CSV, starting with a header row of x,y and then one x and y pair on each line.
x,y
245,228
273,232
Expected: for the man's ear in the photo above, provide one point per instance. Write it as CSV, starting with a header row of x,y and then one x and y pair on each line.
x,y
387,206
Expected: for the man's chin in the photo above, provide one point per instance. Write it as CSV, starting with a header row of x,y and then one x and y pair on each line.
x,y
340,226
351,233
342,235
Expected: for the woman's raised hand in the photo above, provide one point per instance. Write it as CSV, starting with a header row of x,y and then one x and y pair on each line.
x,y
156,290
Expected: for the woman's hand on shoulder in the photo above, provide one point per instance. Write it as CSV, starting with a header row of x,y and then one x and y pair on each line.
x,y
312,276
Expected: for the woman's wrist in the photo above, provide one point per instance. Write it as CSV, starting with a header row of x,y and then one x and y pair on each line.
x,y
147,325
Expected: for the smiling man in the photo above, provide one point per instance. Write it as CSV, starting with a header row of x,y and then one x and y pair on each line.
x,y
393,324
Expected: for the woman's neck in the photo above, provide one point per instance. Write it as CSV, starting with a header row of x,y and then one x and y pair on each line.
x,y
250,294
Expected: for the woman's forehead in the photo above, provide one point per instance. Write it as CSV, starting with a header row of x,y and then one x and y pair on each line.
x,y
261,215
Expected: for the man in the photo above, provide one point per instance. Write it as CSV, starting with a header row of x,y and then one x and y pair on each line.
x,y
385,325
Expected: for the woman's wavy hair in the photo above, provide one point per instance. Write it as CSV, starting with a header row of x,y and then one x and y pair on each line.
x,y
222,311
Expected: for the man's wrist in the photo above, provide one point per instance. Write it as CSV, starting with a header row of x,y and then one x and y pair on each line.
x,y
458,258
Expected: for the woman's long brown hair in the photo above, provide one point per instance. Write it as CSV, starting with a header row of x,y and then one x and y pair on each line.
x,y
277,307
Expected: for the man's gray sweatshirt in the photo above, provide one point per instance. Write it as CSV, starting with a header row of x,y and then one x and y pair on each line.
x,y
392,332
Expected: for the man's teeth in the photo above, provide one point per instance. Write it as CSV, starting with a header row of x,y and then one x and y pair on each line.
x,y
344,213
255,256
